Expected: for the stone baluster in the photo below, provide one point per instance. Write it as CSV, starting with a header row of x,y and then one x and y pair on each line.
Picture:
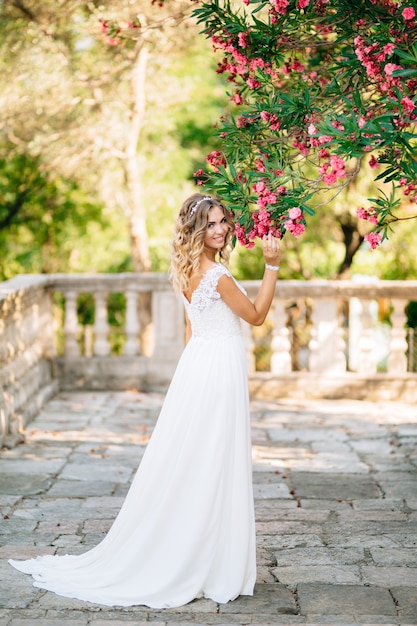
x,y
101,325
46,328
327,347
366,358
72,348
313,346
341,360
169,335
280,344
132,323
412,349
88,340
3,342
397,359
249,347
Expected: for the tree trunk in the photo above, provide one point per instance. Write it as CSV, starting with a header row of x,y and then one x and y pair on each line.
x,y
136,217
352,240
136,212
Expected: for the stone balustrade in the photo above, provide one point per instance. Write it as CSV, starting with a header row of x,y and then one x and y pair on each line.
x,y
322,338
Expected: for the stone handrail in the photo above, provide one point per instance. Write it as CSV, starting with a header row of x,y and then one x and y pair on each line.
x,y
327,346
338,342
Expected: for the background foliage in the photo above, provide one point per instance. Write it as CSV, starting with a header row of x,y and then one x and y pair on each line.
x,y
101,133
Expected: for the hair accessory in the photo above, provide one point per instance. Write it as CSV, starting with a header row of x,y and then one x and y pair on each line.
x,y
195,205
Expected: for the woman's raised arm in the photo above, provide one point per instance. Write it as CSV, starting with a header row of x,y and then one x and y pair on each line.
x,y
254,312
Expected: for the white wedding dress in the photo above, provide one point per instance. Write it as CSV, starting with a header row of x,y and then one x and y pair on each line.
x,y
186,528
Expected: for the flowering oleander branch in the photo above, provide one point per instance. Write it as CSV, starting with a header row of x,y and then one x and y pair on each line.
x,y
318,86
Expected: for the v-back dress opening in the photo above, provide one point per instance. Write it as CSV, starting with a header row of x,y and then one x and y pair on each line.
x,y
186,528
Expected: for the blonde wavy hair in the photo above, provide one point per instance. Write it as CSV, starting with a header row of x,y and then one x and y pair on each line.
x,y
188,243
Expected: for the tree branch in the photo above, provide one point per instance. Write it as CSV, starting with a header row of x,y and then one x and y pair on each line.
x,y
24,9
12,210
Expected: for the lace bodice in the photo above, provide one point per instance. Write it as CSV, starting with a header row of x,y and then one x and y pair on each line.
x,y
210,317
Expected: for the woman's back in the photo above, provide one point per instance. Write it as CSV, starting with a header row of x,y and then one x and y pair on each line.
x,y
210,317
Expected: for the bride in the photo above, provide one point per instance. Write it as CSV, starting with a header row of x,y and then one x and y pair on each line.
x,y
186,528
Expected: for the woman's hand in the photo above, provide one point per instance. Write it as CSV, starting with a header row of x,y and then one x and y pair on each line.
x,y
271,250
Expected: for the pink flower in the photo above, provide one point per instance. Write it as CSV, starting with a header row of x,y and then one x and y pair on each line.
x,y
271,198
391,67
262,229
361,121
298,67
263,217
372,69
255,63
389,48
295,213
338,165
374,239
330,179
370,216
325,139
280,6
265,196
239,231
302,4
237,98
242,121
312,130
408,104
295,228
302,146
408,13
215,158
373,162
243,40
274,122
298,229
259,187
361,213
260,165
253,83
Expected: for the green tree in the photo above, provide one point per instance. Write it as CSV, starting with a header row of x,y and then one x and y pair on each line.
x,y
114,119
40,216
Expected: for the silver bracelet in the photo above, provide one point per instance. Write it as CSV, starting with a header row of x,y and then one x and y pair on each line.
x,y
275,268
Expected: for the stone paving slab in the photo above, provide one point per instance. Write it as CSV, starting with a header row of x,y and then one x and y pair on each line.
x,y
335,485
333,599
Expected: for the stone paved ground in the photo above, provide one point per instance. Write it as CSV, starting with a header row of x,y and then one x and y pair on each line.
x,y
336,501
